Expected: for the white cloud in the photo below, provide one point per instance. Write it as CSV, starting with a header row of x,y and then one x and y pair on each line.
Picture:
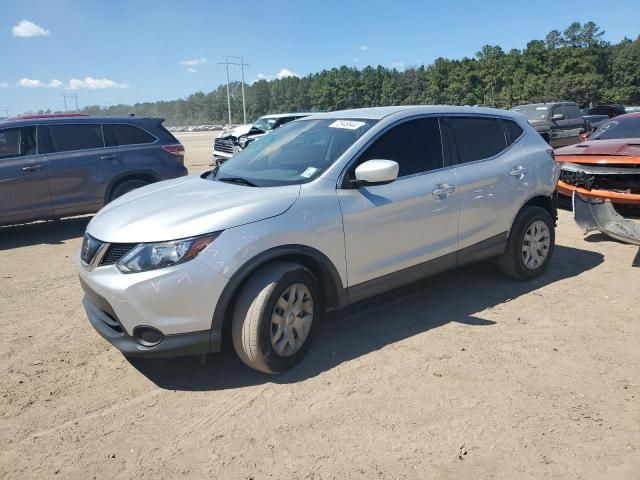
x,y
91,83
25,28
284,73
194,62
74,84
364,48
4,85
192,70
29,83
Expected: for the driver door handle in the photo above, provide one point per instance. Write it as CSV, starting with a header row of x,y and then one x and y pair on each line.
x,y
443,190
33,168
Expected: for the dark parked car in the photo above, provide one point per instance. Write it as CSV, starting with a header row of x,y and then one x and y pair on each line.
x,y
54,166
608,110
559,123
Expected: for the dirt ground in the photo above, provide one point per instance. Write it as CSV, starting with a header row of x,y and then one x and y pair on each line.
x,y
465,375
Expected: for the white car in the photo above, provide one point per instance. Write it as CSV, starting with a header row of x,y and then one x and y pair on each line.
x,y
325,211
235,138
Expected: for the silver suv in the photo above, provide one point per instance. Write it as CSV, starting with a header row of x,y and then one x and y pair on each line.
x,y
323,212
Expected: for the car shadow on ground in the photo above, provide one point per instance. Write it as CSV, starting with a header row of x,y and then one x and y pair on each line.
x,y
457,296
52,232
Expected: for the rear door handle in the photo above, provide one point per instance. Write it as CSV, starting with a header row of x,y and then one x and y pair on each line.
x,y
443,190
107,157
33,168
519,172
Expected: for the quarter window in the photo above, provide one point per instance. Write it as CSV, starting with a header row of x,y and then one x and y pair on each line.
x,y
120,134
513,130
477,138
415,145
65,138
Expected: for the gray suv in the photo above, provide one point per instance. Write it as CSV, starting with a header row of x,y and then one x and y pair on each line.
x,y
53,166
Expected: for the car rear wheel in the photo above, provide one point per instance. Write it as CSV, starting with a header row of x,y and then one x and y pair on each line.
x,y
274,316
126,187
530,245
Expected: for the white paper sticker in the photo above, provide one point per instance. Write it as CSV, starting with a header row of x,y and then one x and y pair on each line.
x,y
308,172
347,124
542,108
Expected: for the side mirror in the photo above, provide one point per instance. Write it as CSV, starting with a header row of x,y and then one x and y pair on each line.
x,y
557,116
377,172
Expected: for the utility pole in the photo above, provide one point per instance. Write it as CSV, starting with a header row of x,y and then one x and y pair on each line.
x,y
226,64
74,96
6,112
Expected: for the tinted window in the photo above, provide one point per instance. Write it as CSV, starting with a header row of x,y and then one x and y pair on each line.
x,y
618,128
65,138
17,142
477,138
513,130
415,145
116,134
570,111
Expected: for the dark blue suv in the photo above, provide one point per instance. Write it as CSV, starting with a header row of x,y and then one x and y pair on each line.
x,y
54,166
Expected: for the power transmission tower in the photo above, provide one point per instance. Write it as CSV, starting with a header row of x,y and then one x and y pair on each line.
x,y
70,96
226,64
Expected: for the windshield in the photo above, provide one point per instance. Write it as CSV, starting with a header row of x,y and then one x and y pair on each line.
x,y
532,112
619,128
265,124
294,153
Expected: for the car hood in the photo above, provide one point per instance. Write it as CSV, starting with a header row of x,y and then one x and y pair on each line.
x,y
539,124
186,207
236,131
626,150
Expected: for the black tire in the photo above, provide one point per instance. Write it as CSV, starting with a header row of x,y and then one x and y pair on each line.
x,y
251,320
125,187
511,262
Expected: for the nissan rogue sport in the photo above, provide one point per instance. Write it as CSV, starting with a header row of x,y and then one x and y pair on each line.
x,y
59,165
323,212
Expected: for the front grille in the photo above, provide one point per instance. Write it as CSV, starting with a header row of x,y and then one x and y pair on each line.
x,y
223,145
115,252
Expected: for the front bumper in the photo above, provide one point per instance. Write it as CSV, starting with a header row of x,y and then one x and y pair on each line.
x,y
177,301
617,198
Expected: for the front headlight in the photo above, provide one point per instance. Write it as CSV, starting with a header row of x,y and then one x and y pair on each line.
x,y
151,256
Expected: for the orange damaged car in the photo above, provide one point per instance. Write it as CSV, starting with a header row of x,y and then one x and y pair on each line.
x,y
605,166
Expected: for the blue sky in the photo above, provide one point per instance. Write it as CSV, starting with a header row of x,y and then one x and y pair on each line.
x,y
121,51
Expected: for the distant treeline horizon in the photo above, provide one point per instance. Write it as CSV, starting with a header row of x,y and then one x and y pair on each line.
x,y
576,64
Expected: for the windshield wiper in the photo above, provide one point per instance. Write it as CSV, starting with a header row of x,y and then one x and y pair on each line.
x,y
238,180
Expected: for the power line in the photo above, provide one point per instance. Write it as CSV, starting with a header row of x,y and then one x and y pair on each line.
x,y
6,111
226,64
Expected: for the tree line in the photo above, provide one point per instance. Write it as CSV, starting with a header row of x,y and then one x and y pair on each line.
x,y
576,64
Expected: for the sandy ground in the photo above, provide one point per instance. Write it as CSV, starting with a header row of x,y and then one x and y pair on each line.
x,y
465,375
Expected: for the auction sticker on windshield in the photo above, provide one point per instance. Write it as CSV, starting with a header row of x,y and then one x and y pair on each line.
x,y
308,172
348,124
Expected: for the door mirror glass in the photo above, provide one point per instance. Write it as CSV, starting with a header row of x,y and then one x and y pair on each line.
x,y
557,116
374,172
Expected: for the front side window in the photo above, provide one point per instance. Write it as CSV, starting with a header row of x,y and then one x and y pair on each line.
x,y
65,138
477,138
415,145
294,153
17,142
121,134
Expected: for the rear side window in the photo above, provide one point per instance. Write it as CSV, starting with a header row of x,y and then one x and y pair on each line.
x,y
415,145
477,138
513,130
65,138
120,134
17,142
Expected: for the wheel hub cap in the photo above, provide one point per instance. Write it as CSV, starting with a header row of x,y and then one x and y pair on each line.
x,y
291,319
535,244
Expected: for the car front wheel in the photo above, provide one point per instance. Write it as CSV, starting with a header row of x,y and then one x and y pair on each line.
x,y
274,316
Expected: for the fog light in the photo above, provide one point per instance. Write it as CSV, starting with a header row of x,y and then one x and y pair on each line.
x,y
147,336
